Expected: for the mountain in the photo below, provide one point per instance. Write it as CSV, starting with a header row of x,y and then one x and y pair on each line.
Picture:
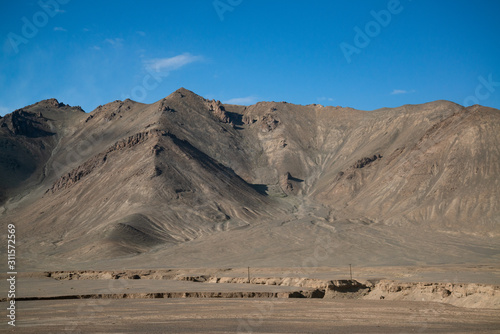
x,y
193,182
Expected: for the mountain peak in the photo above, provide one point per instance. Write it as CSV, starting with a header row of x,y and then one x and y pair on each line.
x,y
182,93
50,103
53,103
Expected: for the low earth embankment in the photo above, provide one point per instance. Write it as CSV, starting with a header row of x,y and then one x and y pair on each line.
x,y
137,284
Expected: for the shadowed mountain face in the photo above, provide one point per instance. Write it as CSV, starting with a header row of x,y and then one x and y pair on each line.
x,y
191,182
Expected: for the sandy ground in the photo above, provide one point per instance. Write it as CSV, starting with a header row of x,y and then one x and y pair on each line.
x,y
249,316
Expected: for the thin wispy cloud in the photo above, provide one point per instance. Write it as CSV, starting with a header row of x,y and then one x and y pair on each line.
x,y
59,29
242,100
402,91
166,65
95,47
116,42
324,98
142,33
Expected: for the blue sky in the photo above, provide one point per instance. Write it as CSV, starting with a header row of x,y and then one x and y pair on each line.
x,y
361,54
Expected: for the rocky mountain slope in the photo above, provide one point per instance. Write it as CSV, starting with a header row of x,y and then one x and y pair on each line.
x,y
188,181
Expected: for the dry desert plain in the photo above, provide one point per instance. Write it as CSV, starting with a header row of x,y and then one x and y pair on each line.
x,y
277,300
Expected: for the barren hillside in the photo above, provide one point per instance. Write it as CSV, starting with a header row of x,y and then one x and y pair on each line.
x,y
191,182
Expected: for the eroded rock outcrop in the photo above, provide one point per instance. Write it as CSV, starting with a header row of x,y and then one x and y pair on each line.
x,y
164,107
97,161
366,161
28,124
286,183
269,122
218,110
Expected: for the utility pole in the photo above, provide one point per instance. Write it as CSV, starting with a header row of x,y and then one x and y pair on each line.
x,y
248,274
350,270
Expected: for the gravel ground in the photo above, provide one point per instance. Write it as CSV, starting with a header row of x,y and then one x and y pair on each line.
x,y
249,316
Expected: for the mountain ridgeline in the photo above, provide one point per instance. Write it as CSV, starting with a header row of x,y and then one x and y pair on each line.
x,y
190,181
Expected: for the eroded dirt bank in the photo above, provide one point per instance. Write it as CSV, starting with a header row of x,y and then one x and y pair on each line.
x,y
470,295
